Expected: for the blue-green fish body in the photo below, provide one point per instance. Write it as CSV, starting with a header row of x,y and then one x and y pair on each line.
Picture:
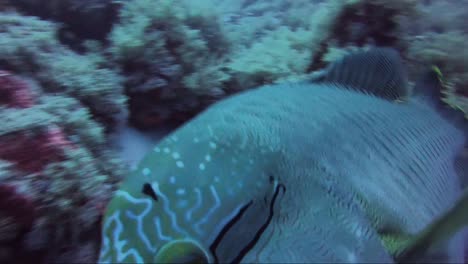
x,y
309,172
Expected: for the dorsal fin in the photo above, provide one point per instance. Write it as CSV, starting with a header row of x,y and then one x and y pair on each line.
x,y
377,71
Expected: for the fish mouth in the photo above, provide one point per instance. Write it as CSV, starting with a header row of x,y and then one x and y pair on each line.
x,y
182,251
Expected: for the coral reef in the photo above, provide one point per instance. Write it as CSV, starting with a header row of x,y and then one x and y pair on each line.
x,y
172,56
14,92
29,46
80,19
54,168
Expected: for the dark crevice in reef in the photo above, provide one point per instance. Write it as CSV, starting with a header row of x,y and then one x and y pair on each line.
x,y
100,17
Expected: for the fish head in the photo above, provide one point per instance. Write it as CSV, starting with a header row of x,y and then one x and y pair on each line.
x,y
190,201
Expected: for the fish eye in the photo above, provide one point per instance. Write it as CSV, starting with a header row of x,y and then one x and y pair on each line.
x,y
148,190
182,251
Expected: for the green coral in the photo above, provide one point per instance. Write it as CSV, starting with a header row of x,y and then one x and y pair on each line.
x,y
15,120
278,55
29,46
176,43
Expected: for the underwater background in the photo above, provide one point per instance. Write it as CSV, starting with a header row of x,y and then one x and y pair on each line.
x,y
87,87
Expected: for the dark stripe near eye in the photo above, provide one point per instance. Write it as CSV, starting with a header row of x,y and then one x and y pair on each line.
x,y
148,190
226,228
262,229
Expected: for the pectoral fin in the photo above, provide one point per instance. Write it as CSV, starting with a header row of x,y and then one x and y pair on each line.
x,y
439,231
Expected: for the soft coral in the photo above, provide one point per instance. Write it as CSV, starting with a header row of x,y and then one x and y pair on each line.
x,y
15,92
33,152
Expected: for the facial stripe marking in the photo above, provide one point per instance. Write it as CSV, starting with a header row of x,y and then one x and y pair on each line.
x,y
119,244
188,215
168,210
211,211
261,230
225,229
157,223
140,230
140,217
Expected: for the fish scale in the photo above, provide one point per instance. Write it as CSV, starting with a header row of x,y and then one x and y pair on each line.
x,y
436,202
399,150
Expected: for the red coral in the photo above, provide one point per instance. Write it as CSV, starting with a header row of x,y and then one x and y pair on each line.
x,y
56,139
32,153
15,92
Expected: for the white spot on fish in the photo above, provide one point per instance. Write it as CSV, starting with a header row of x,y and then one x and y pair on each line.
x,y
172,179
175,155
196,140
210,130
166,150
180,191
157,222
202,166
216,179
179,164
212,145
208,158
157,149
146,171
174,138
